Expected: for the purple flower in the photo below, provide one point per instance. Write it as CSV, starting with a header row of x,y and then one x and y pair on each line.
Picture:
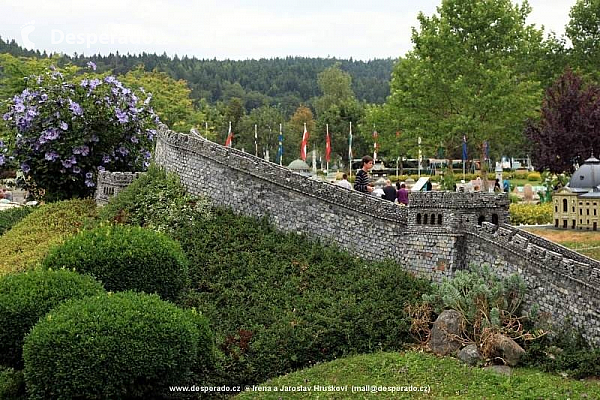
x,y
123,150
94,83
25,168
122,116
1,159
91,65
44,97
19,107
134,139
101,168
51,134
89,183
105,159
51,155
75,108
84,82
6,116
64,126
76,170
88,175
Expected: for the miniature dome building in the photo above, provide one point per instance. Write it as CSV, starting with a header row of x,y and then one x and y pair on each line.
x,y
577,206
300,167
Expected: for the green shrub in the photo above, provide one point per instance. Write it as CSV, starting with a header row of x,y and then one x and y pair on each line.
x,y
533,176
156,200
564,350
125,258
514,198
485,301
25,297
280,302
530,214
28,242
12,384
123,345
520,174
11,216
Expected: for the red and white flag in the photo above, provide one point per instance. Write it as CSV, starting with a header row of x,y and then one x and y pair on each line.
x,y
229,137
304,144
375,145
327,145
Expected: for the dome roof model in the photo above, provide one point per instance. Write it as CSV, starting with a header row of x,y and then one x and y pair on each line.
x,y
299,165
587,177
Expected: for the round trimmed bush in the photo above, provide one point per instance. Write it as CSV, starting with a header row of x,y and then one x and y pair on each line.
x,y
121,345
125,258
26,297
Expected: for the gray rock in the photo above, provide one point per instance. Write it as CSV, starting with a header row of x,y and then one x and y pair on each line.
x,y
499,369
446,332
470,355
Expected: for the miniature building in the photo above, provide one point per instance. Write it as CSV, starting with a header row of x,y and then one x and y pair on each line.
x,y
300,167
577,206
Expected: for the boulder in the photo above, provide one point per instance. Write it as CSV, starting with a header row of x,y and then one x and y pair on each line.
x,y
446,332
470,355
499,369
507,349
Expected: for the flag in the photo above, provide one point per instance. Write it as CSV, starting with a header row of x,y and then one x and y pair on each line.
x,y
229,137
327,146
304,144
375,147
464,148
280,149
350,145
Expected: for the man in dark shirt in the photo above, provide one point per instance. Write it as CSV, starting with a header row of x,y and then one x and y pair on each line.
x,y
361,183
389,192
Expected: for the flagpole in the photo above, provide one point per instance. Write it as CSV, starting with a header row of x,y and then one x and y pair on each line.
x,y
255,140
350,152
206,126
280,150
326,157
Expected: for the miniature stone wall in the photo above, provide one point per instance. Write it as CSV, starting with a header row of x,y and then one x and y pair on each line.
x,y
111,183
437,234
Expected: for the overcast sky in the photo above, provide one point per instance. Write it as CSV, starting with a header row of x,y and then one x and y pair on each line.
x,y
233,29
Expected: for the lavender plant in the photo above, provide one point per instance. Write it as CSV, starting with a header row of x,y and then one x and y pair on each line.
x,y
66,130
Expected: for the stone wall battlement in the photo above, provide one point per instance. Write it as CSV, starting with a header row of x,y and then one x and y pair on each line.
x,y
284,177
540,252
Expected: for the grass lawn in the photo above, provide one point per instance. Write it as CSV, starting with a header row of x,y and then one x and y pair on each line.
x,y
445,378
523,182
584,242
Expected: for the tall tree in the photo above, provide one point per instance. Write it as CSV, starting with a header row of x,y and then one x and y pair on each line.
x,y
293,133
583,30
464,77
569,127
335,86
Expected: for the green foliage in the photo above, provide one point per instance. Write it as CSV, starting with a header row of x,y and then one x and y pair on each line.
x,y
530,214
533,176
12,384
448,180
123,345
156,200
11,216
445,378
582,31
280,302
28,242
169,98
483,299
564,350
466,75
514,198
26,297
125,258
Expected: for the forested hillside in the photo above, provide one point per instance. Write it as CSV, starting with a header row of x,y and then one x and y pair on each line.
x,y
278,81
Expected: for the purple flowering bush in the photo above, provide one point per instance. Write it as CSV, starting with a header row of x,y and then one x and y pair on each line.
x,y
66,130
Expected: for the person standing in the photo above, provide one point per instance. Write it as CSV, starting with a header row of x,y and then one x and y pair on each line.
x,y
361,183
344,182
403,195
389,192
